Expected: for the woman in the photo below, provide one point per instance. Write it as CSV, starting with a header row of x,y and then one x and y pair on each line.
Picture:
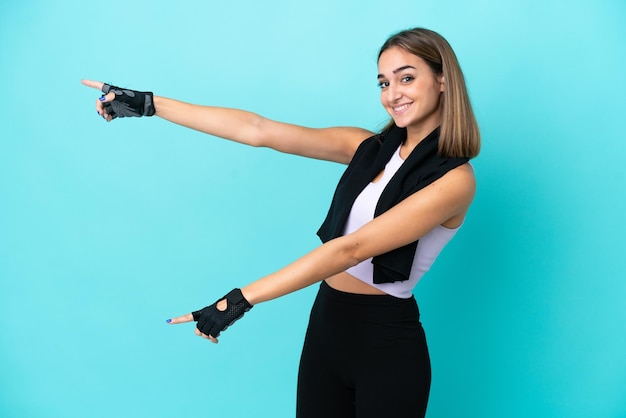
x,y
403,196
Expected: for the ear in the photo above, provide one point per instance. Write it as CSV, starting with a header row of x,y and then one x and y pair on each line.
x,y
442,83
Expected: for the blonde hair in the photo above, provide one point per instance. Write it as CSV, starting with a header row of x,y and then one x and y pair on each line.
x,y
459,134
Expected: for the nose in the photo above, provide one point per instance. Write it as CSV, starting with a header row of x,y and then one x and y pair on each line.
x,y
393,92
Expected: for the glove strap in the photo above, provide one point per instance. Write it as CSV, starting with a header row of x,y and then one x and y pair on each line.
x,y
236,298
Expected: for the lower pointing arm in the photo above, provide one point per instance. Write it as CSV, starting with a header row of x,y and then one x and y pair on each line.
x,y
327,260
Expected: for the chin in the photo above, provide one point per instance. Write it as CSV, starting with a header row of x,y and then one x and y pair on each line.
x,y
400,124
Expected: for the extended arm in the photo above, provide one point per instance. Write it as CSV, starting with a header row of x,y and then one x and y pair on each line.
x,y
443,202
336,144
332,144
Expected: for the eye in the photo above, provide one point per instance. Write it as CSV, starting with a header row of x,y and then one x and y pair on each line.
x,y
407,79
383,84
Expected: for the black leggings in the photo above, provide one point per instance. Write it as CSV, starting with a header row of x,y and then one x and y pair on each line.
x,y
364,356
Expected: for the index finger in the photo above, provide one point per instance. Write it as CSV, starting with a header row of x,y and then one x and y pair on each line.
x,y
93,84
181,319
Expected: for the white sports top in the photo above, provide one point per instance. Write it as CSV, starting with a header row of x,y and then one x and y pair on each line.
x,y
428,247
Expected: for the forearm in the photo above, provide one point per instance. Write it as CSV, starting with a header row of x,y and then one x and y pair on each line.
x,y
327,260
331,144
233,124
445,199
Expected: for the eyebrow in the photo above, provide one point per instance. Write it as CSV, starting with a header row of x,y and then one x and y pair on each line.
x,y
397,70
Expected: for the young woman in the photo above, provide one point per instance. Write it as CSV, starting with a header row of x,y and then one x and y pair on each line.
x,y
403,196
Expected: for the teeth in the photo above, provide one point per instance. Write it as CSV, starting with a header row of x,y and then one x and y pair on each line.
x,y
401,108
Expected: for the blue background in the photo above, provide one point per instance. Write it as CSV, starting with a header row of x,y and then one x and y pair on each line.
x,y
106,230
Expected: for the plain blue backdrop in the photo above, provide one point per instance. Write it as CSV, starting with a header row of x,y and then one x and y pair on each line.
x,y
106,230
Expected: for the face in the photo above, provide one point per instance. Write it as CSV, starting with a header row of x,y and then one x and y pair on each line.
x,y
410,92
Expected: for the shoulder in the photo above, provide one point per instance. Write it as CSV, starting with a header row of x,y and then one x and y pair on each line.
x,y
459,181
451,194
348,139
361,138
464,172
456,191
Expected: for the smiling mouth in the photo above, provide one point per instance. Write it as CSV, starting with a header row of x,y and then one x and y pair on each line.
x,y
401,109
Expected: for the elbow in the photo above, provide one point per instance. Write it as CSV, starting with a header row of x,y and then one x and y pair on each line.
x,y
349,252
351,260
257,134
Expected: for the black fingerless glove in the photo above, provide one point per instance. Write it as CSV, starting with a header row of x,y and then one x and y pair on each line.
x,y
128,103
212,321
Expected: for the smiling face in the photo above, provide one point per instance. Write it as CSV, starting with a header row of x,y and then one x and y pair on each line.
x,y
410,91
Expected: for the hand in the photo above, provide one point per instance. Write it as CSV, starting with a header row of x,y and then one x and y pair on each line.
x,y
214,319
119,102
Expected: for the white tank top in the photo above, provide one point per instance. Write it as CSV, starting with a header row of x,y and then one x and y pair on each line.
x,y
428,247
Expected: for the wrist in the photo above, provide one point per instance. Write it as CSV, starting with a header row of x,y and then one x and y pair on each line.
x,y
159,105
249,295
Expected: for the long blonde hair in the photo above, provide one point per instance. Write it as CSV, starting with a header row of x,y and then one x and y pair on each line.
x,y
459,134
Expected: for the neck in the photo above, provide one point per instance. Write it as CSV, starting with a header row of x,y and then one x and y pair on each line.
x,y
415,135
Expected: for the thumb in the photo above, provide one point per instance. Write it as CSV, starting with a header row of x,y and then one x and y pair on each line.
x,y
108,95
106,98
